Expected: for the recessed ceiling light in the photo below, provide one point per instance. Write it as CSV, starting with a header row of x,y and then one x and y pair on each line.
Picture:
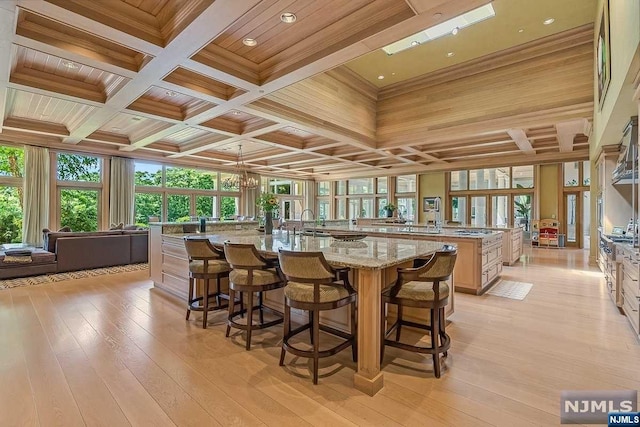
x,y
548,21
235,113
288,18
171,93
136,118
521,30
70,65
393,74
415,43
450,54
249,42
380,77
437,15
455,30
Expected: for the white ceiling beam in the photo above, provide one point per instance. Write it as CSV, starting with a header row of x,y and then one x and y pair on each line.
x,y
568,130
7,29
519,136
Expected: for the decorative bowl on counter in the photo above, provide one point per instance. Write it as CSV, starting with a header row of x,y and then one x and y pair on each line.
x,y
345,236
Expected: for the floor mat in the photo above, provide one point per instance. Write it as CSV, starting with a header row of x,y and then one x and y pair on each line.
x,y
511,289
58,277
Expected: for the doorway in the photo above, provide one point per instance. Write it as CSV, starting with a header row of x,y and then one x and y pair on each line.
x,y
573,218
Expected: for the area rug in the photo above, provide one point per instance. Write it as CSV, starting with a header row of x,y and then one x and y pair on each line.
x,y
511,289
58,277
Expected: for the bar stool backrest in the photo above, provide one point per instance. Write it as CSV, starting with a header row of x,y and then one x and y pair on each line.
x,y
440,265
311,267
201,249
243,256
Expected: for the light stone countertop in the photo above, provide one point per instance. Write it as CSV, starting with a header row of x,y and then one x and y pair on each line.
x,y
406,230
370,253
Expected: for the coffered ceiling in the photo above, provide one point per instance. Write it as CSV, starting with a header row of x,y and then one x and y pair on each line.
x,y
174,81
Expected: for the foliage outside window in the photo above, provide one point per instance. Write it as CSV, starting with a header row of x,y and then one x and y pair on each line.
x,y
324,209
79,209
148,174
229,206
11,208
77,168
178,208
225,178
206,206
406,184
341,188
190,178
78,205
147,205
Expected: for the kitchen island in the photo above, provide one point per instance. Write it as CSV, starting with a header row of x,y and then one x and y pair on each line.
x,y
481,250
373,261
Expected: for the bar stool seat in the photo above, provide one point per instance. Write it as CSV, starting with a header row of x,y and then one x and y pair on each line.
x,y
315,286
422,287
251,273
205,263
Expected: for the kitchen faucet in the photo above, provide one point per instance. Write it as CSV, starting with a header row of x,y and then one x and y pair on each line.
x,y
313,216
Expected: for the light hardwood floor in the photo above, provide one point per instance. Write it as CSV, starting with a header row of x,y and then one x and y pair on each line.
x,y
114,351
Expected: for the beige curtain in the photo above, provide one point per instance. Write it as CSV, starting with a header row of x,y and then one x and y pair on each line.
x,y
121,191
249,197
36,194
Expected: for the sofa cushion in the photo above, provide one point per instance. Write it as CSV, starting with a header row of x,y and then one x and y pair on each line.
x,y
50,238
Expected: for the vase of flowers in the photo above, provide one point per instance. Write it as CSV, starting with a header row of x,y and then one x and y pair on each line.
x,y
269,204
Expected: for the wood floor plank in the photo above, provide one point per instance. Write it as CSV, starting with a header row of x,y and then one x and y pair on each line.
x,y
97,405
54,401
17,404
135,402
114,350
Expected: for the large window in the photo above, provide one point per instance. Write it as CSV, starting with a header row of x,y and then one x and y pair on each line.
x,y
324,188
406,184
361,186
495,197
11,172
182,194
79,191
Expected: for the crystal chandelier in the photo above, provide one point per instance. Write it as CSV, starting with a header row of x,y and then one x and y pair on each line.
x,y
240,179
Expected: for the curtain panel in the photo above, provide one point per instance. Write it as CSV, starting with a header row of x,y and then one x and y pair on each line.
x,y
36,194
122,191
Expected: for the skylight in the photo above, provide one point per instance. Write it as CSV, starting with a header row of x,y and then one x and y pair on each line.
x,y
451,26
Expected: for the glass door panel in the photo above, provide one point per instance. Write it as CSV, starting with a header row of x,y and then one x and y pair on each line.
x,y
586,219
407,207
479,211
499,211
354,208
368,208
571,218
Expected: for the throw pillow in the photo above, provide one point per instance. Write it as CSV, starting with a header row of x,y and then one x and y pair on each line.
x,y
65,229
130,227
117,227
46,230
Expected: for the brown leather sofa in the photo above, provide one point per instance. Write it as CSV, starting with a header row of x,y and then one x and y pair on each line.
x,y
86,250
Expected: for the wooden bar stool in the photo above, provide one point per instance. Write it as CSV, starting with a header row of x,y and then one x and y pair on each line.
x,y
251,273
206,263
313,285
421,287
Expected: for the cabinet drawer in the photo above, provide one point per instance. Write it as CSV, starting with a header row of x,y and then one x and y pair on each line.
x,y
175,250
630,287
630,308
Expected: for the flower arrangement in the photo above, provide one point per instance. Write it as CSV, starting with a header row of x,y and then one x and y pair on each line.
x,y
268,202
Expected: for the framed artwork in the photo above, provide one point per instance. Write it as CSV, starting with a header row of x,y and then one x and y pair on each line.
x,y
431,204
603,55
